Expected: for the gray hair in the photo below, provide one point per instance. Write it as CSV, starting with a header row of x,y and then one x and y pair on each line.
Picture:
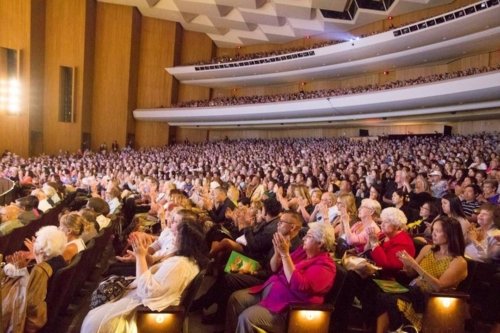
x,y
394,216
50,242
323,233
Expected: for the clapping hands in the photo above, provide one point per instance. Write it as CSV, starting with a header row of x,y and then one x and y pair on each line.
x,y
281,244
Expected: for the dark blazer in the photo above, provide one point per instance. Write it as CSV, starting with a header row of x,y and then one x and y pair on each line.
x,y
218,215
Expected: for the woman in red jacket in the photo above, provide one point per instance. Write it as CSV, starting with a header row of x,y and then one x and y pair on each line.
x,y
382,249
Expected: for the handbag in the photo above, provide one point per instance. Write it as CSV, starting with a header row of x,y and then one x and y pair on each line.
x,y
110,290
362,266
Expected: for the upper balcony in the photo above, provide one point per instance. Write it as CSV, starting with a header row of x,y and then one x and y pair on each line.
x,y
468,30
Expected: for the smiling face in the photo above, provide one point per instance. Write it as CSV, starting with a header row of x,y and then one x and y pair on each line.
x,y
485,218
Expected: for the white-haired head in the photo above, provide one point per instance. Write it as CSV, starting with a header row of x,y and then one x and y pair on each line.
x,y
323,233
50,242
394,216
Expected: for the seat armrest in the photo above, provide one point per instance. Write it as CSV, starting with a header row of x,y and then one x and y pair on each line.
x,y
169,309
312,307
451,293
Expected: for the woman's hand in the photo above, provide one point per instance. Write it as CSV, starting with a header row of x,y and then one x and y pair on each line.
x,y
140,244
372,237
20,259
406,259
29,243
281,244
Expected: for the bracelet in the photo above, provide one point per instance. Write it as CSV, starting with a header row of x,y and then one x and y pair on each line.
x,y
285,255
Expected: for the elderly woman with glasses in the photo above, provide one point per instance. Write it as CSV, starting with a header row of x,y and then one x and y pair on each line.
x,y
357,235
304,276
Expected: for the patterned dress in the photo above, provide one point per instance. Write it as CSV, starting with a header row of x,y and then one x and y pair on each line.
x,y
436,268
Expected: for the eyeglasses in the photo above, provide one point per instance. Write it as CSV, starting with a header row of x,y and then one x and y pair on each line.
x,y
286,222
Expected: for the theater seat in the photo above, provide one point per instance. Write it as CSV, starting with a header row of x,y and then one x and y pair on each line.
x,y
173,318
322,318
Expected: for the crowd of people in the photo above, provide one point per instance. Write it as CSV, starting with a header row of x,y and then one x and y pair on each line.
x,y
323,93
417,205
289,50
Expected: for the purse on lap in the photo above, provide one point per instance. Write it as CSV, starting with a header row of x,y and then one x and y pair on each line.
x,y
110,290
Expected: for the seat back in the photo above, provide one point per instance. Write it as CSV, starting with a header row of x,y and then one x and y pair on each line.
x,y
83,270
340,297
58,287
190,292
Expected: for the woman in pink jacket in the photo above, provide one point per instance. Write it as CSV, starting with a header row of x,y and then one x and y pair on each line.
x,y
304,276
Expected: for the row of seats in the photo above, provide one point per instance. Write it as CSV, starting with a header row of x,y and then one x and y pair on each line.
x,y
67,283
14,241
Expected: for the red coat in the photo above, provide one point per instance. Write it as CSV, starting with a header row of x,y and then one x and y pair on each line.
x,y
385,255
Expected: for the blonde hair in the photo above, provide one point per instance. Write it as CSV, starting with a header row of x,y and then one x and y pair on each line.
x,y
73,222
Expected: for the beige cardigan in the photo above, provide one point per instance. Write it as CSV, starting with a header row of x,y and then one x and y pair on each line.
x,y
23,300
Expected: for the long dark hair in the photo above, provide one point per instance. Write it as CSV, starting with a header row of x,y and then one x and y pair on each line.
x,y
455,205
192,242
453,231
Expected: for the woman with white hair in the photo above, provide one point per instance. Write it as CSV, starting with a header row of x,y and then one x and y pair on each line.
x,y
304,276
396,239
23,294
383,253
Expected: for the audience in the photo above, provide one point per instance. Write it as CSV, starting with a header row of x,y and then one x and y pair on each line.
x,y
157,286
324,93
242,187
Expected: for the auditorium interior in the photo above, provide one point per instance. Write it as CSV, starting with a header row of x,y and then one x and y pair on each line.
x,y
105,96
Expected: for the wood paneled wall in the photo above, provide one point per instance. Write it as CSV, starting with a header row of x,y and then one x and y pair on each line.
x,y
155,85
15,28
115,73
204,49
66,47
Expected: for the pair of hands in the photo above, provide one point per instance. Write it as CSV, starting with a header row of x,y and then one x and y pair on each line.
x,y
407,260
281,244
140,243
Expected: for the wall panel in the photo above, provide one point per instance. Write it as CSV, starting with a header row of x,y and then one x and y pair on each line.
x,y
115,68
65,47
155,85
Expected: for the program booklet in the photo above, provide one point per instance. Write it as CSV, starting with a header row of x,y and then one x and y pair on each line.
x,y
239,263
391,287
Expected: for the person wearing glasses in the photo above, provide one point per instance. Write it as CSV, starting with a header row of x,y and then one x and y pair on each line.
x,y
303,276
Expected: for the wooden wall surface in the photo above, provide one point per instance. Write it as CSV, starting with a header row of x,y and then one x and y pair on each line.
x,y
115,69
15,27
155,85
65,47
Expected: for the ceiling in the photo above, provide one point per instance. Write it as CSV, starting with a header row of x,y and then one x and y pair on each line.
x,y
231,23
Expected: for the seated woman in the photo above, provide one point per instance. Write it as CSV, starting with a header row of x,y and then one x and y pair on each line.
x,y
422,227
304,276
400,201
452,207
384,254
483,246
73,226
438,267
357,235
157,287
25,288
396,239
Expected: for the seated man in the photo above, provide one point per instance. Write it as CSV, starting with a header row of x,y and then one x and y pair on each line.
x,y
9,219
289,226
